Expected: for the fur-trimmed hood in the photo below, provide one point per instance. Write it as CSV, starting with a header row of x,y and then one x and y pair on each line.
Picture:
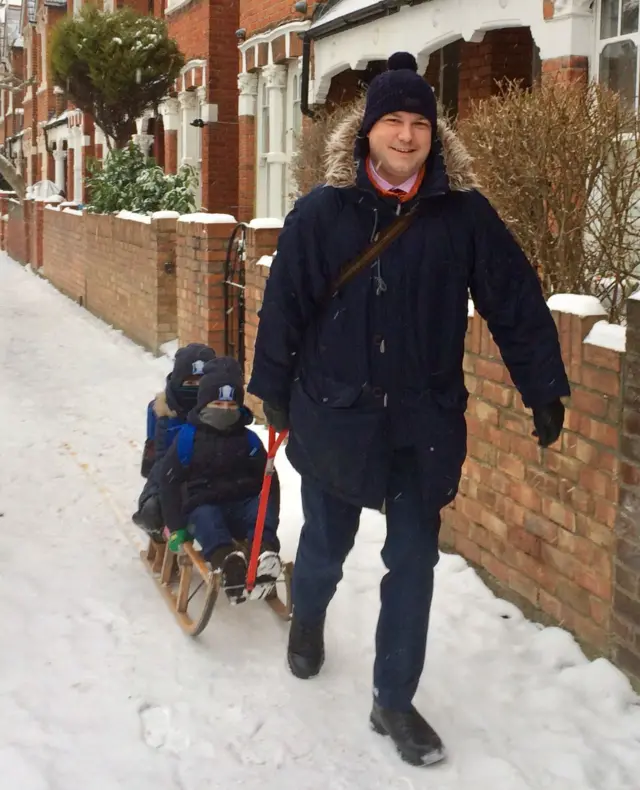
x,y
161,407
341,165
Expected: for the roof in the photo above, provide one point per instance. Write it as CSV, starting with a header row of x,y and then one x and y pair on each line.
x,y
336,15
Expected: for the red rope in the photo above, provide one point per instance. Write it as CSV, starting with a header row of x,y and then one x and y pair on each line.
x,y
270,468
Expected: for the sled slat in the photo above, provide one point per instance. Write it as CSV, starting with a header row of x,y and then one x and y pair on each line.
x,y
167,566
196,559
186,572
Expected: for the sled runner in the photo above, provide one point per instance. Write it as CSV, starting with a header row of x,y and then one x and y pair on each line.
x,y
192,596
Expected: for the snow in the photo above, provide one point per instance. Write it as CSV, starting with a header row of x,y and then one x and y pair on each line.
x,y
342,9
130,215
607,335
100,689
265,260
209,219
165,215
170,348
56,207
266,223
575,304
72,211
471,308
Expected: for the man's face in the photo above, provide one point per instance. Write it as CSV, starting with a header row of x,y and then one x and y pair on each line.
x,y
399,144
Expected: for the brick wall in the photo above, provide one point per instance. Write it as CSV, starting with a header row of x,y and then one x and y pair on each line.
x,y
64,263
258,15
205,29
626,577
541,521
503,54
117,269
18,234
260,246
556,530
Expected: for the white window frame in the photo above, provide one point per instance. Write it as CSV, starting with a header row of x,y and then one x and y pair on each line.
x,y
293,104
601,43
262,148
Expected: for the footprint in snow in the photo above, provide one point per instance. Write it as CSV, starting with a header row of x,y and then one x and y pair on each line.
x,y
157,732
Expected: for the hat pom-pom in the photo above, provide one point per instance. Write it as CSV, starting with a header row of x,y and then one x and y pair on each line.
x,y
402,60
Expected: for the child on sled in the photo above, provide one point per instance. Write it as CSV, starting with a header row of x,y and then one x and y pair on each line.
x,y
166,414
211,478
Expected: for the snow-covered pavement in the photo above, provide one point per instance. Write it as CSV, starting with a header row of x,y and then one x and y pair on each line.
x,y
99,688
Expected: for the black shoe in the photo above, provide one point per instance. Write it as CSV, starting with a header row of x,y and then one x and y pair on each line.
x,y
234,577
416,740
149,518
305,653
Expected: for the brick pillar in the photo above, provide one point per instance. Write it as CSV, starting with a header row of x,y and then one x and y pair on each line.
x,y
247,169
565,52
220,189
200,258
626,595
163,249
38,231
566,69
170,151
261,244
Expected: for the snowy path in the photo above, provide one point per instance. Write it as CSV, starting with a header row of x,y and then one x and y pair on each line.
x,y
99,689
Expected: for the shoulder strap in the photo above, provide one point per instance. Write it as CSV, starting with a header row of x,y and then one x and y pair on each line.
x,y
186,437
372,253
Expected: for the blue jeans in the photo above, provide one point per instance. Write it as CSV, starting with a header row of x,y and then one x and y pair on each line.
x,y
214,526
410,554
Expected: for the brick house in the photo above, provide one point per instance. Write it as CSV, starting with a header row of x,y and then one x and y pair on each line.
x,y
348,41
196,125
205,94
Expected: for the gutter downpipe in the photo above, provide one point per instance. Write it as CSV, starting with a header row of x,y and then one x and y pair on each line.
x,y
305,76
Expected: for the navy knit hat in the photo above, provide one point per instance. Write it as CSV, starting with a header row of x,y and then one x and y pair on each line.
x,y
190,361
398,89
222,380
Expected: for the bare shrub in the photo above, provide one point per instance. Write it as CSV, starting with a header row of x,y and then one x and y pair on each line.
x,y
308,162
561,164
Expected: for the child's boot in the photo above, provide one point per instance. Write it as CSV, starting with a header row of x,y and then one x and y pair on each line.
x,y
233,565
268,571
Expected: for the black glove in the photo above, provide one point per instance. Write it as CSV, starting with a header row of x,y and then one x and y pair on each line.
x,y
277,418
548,421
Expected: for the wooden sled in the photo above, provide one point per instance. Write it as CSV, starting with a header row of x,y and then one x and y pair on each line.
x,y
174,576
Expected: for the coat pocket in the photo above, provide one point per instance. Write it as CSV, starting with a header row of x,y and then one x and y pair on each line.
x,y
338,443
441,452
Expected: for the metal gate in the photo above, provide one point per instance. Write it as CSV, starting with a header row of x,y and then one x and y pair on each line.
x,y
234,286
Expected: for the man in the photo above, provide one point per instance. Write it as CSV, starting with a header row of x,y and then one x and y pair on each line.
x,y
369,376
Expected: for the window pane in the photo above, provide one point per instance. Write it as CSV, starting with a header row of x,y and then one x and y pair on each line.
x,y
618,63
609,18
629,16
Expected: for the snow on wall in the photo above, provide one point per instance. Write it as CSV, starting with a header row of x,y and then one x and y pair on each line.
x,y
608,335
209,219
266,223
603,334
574,304
130,215
266,260
165,215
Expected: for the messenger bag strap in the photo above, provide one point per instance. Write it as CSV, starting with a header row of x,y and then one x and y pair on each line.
x,y
372,253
